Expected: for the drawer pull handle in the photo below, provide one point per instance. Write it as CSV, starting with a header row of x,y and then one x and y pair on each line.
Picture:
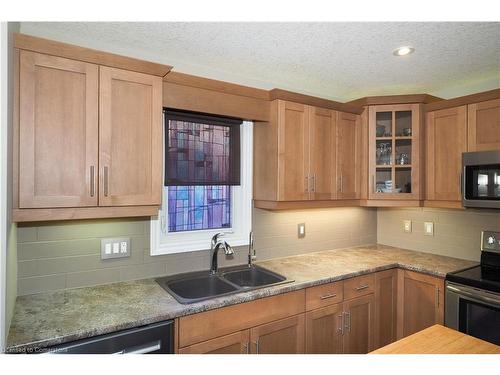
x,y
362,287
326,296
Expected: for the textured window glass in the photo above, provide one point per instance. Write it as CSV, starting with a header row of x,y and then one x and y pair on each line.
x,y
198,207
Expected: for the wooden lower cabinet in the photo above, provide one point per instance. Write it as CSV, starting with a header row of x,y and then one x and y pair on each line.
x,y
386,283
421,302
359,325
235,343
325,319
285,336
342,328
324,330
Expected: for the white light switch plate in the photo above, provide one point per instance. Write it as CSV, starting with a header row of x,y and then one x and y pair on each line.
x,y
301,230
112,248
407,226
429,228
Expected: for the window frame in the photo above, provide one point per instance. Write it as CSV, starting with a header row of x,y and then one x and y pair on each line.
x,y
163,242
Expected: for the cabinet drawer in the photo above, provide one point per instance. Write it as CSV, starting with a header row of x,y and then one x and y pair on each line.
x,y
214,323
324,295
359,286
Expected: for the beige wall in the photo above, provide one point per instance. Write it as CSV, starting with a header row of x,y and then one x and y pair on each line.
x,y
63,255
456,232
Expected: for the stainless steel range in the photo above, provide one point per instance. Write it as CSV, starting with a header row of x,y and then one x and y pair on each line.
x,y
473,295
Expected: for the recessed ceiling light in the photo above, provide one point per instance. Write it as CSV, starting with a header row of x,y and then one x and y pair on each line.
x,y
403,51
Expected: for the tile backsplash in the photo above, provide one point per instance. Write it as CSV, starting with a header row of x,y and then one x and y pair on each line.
x,y
457,233
61,255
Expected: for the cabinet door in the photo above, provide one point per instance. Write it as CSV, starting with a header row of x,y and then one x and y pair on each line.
x,y
446,140
395,152
235,343
130,138
359,327
385,307
423,302
293,154
484,126
347,155
284,336
58,129
322,153
324,330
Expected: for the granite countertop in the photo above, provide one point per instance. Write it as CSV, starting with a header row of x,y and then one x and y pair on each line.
x,y
46,319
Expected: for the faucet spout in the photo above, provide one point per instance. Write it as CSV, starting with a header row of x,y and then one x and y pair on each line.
x,y
215,245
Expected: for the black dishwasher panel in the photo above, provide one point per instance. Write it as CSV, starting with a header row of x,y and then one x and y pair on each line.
x,y
155,338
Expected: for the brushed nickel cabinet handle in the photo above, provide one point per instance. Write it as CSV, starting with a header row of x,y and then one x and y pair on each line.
x,y
341,320
461,182
306,184
246,346
347,321
313,183
326,296
106,181
256,346
92,181
362,287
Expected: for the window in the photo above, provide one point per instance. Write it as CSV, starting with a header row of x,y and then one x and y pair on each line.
x,y
208,179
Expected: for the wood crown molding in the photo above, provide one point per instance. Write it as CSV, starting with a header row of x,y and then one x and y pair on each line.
x,y
394,99
463,100
70,51
314,101
215,85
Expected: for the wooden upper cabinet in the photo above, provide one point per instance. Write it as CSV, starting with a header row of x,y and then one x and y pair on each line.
x,y
294,154
293,151
58,130
422,301
446,132
484,126
347,153
359,325
130,138
322,153
284,336
324,330
394,152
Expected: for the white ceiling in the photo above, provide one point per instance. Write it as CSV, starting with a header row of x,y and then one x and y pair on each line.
x,y
340,61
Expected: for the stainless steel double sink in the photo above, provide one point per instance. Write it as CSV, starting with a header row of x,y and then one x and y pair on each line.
x,y
198,286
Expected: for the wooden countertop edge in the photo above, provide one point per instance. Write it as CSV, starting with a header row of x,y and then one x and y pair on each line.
x,y
439,340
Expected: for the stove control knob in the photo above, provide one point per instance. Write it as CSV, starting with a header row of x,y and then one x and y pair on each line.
x,y
491,240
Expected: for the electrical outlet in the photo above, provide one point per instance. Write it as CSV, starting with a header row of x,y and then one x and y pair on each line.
x,y
112,248
301,230
429,228
407,226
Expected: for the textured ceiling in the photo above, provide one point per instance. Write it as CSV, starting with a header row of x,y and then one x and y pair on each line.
x,y
334,60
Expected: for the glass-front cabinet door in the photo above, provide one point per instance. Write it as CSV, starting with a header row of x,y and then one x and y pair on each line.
x,y
394,151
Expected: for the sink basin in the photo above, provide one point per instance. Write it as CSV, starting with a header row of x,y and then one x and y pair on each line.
x,y
198,286
251,277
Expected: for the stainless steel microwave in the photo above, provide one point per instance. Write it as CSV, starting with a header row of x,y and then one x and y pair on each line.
x,y
481,179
